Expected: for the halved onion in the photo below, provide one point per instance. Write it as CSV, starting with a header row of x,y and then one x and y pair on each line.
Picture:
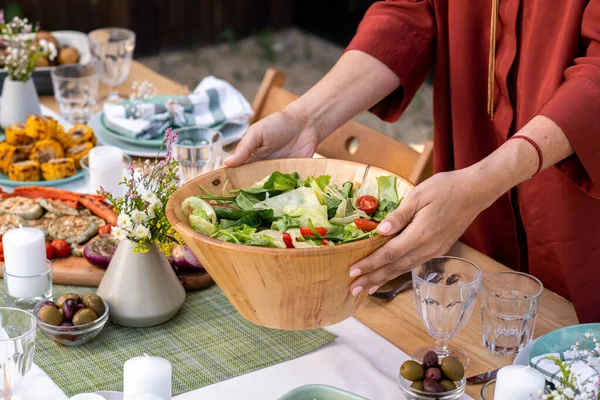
x,y
183,258
100,250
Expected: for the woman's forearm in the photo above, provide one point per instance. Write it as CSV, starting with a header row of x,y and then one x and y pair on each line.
x,y
357,82
517,160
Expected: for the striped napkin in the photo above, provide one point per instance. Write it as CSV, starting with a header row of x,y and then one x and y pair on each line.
x,y
587,375
213,103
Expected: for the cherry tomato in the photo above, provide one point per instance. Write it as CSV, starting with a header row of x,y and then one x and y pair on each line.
x,y
287,239
306,231
367,203
1,252
49,251
104,230
324,242
61,248
366,225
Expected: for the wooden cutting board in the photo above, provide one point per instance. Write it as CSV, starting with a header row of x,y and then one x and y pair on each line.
x,y
77,271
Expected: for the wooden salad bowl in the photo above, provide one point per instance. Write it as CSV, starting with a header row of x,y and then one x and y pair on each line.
x,y
291,289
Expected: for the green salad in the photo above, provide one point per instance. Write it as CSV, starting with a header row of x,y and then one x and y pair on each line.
x,y
285,211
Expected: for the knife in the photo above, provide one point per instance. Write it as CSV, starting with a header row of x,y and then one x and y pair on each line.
x,y
482,378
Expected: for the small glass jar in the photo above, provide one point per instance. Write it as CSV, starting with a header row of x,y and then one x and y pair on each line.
x,y
25,292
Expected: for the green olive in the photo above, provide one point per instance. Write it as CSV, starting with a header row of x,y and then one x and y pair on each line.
x,y
50,315
84,316
86,296
452,368
65,297
412,370
448,385
95,303
417,385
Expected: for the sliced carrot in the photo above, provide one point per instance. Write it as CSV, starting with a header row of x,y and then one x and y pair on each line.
x,y
99,209
53,193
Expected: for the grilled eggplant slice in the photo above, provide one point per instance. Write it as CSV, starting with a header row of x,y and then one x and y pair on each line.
x,y
73,229
57,208
9,221
21,207
43,223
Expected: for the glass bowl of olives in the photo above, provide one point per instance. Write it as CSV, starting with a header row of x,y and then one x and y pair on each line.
x,y
433,378
73,319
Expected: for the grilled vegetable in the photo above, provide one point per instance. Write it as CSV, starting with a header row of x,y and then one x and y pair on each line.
x,y
43,223
24,171
21,207
10,154
100,250
46,150
62,137
57,207
16,135
58,168
81,133
61,248
73,229
10,221
99,221
183,258
76,152
40,127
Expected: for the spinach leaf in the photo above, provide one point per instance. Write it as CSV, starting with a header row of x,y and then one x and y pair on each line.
x,y
336,232
246,201
346,189
282,182
255,218
226,212
285,222
332,206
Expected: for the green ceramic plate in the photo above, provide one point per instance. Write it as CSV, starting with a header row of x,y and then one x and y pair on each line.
x,y
56,182
561,339
320,392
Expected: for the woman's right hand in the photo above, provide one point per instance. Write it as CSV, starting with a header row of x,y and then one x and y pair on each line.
x,y
280,135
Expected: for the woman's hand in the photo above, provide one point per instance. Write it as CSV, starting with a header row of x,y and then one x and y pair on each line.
x,y
431,217
280,135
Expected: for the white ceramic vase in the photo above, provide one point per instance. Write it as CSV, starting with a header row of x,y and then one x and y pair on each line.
x,y
19,101
141,288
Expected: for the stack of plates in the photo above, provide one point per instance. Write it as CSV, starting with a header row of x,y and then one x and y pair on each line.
x,y
150,147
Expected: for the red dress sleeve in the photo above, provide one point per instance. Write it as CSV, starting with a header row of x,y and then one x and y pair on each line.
x,y
400,34
575,107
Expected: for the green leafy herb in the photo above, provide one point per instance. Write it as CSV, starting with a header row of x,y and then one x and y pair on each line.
x,y
284,223
282,182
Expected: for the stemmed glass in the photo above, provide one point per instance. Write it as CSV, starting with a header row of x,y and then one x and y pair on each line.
x,y
445,291
112,51
17,344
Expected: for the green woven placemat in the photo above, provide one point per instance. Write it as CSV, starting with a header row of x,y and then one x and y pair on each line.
x,y
207,342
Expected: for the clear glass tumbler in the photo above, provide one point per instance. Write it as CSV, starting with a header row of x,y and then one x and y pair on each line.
x,y
75,91
25,292
198,150
17,345
445,292
112,52
509,307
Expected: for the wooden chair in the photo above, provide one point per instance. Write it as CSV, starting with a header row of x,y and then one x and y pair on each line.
x,y
353,141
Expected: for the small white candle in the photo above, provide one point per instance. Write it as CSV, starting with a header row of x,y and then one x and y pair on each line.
x,y
518,382
147,375
106,169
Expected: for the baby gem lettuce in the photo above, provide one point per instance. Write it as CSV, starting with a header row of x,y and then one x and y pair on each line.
x,y
284,211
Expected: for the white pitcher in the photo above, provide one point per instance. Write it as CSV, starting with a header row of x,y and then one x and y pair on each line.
x,y
19,101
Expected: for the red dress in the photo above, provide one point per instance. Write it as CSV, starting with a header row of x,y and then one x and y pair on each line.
x,y
547,63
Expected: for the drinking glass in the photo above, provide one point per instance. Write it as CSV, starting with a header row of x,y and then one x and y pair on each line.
x,y
198,150
75,91
509,309
112,51
445,291
17,343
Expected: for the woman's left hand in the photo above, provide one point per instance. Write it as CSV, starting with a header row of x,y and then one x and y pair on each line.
x,y
431,217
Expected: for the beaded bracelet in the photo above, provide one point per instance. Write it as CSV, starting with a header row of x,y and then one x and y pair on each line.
x,y
537,148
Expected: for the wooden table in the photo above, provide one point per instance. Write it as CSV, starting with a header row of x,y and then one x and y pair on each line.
x,y
397,320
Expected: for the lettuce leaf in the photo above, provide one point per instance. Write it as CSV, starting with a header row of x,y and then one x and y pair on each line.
x,y
284,223
200,222
352,233
268,238
236,234
192,204
290,201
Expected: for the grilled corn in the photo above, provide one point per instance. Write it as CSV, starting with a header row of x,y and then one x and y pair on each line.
x,y
80,133
16,135
40,127
24,171
77,151
58,168
10,154
46,150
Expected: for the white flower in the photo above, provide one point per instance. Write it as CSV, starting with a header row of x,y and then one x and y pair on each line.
x,y
139,217
141,232
50,48
152,210
150,197
118,233
124,221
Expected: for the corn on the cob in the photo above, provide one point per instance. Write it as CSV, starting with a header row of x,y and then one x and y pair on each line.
x,y
24,171
77,151
40,127
10,154
16,135
62,137
80,133
46,150
58,168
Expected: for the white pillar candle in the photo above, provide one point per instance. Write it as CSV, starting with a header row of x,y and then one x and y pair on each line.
x,y
519,382
147,375
25,260
106,169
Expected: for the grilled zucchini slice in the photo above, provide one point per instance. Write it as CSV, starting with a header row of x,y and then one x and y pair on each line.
x,y
43,223
21,207
77,151
46,150
9,221
17,136
41,127
24,171
57,208
58,168
73,229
